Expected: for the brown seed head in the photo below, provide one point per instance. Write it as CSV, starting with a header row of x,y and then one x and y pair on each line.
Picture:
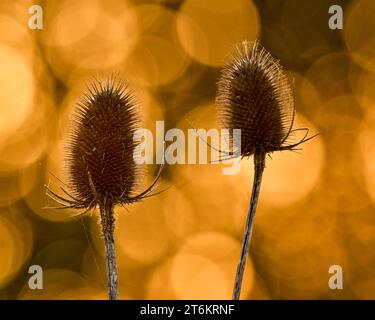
x,y
255,95
100,150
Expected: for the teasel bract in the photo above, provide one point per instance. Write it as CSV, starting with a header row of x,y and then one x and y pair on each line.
x,y
100,161
256,96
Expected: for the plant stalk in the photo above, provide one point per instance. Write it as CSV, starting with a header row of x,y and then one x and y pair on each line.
x,y
107,221
259,163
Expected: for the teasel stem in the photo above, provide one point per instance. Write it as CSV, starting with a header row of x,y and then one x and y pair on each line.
x,y
259,164
107,222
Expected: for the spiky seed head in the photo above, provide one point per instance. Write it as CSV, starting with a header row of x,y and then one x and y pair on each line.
x,y
255,95
100,162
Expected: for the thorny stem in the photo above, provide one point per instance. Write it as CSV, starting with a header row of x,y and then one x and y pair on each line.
x,y
107,222
259,163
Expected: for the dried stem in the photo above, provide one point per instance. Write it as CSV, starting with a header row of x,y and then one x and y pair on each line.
x,y
107,221
259,162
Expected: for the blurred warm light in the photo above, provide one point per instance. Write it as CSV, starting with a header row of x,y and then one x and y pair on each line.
x,y
142,235
54,177
342,176
150,109
367,148
19,11
208,29
16,242
303,42
364,288
19,31
307,95
8,252
15,186
360,41
50,255
32,138
174,200
16,90
157,58
89,36
197,277
290,176
328,74
83,294
364,87
22,151
159,285
223,199
59,284
296,249
154,61
82,16
52,174
361,235
205,265
292,8
183,87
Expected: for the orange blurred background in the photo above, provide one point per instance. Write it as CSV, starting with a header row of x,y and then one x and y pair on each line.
x,y
316,207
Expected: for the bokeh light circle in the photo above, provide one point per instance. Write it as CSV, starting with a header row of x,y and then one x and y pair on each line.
x,y
358,35
157,58
208,29
366,140
205,265
16,90
16,242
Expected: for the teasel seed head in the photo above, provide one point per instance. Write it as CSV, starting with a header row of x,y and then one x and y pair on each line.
x,y
255,95
101,162
101,149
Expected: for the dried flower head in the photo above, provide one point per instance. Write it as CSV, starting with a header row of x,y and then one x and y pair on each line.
x,y
100,161
100,150
255,95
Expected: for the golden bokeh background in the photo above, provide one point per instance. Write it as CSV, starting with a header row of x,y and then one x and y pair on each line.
x,y
317,207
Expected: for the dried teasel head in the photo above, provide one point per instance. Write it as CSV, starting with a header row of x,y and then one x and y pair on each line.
x,y
100,164
255,95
